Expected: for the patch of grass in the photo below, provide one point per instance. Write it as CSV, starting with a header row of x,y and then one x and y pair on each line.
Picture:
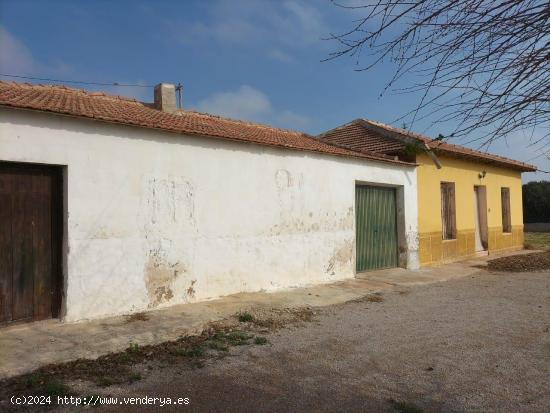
x,y
105,381
55,388
245,317
33,380
260,340
405,407
196,351
181,352
219,335
117,368
134,377
217,345
39,384
133,348
537,240
238,338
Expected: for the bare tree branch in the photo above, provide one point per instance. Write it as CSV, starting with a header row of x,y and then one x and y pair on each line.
x,y
483,64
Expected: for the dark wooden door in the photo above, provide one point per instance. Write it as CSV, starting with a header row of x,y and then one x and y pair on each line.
x,y
376,228
30,205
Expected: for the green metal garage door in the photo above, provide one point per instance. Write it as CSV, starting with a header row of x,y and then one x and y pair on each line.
x,y
376,227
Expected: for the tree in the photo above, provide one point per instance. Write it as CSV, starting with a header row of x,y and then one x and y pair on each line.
x,y
536,201
483,64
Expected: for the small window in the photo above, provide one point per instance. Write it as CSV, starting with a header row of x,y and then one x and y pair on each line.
x,y
506,218
448,214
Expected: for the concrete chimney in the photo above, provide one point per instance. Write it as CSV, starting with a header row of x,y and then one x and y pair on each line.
x,y
165,97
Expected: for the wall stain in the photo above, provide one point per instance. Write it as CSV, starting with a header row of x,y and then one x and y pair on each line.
x,y
341,257
191,289
160,275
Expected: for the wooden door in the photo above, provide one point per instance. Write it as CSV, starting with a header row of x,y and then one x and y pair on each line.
x,y
30,205
376,228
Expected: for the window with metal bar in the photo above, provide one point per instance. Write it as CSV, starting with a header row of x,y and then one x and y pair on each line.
x,y
448,212
506,217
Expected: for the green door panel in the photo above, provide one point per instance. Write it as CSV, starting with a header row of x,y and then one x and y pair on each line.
x,y
376,228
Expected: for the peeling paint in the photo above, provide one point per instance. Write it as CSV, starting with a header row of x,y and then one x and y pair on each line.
x,y
160,276
191,289
169,200
341,257
161,213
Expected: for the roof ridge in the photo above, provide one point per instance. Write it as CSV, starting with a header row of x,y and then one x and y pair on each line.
x,y
398,130
437,144
243,122
71,90
99,94
322,134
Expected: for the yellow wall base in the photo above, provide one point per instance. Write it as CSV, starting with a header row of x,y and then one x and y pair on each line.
x,y
434,250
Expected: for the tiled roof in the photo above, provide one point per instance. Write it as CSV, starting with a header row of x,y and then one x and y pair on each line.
x,y
379,137
355,136
116,109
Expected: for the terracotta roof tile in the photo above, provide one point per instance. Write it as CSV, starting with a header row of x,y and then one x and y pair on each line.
x,y
368,134
117,109
355,136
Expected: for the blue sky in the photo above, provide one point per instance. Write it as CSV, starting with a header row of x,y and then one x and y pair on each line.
x,y
257,60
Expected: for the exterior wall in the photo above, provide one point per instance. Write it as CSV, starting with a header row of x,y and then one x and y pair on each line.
x,y
465,174
154,219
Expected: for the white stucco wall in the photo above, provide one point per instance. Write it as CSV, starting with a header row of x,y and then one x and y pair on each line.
x,y
156,218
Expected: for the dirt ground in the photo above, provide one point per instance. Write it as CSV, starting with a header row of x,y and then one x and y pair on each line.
x,y
480,343
537,261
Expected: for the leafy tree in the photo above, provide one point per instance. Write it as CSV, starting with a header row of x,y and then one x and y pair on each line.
x,y
536,201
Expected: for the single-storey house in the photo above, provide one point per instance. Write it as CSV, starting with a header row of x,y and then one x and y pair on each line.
x,y
111,206
469,202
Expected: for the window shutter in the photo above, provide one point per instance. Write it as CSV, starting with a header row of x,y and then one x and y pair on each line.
x,y
448,210
506,216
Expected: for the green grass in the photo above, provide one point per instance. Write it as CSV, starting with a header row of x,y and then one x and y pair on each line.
x,y
245,317
197,351
260,340
237,338
46,386
217,345
55,388
537,240
105,381
133,348
134,377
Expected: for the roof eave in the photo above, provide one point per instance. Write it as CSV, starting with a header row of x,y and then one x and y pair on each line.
x,y
359,155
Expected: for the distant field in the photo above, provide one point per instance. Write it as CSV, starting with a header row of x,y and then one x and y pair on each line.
x,y
537,240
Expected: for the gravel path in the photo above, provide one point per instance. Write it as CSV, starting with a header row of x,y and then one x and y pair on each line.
x,y
474,344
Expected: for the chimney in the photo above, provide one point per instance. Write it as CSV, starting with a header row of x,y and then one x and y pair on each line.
x,y
165,97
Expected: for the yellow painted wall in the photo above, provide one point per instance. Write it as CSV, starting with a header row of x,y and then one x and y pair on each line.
x,y
465,174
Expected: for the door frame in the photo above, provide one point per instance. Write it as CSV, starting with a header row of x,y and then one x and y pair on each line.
x,y
58,231
480,194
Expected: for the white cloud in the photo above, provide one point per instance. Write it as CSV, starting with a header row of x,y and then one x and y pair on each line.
x,y
15,57
286,25
279,55
247,103
291,120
